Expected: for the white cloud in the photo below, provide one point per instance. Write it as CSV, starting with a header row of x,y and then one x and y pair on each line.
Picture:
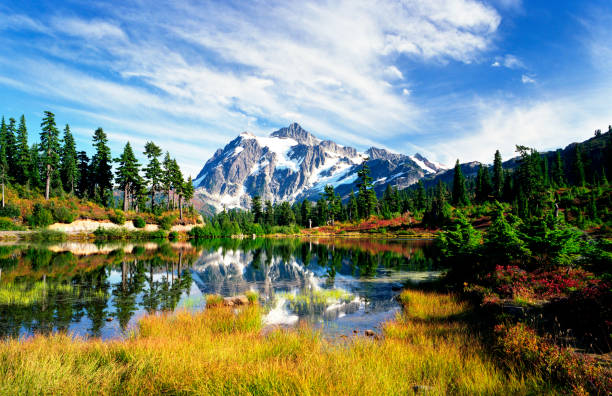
x,y
88,29
510,61
393,72
406,92
541,124
527,79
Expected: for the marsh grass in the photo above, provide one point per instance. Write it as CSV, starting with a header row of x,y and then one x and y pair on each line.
x,y
316,300
222,351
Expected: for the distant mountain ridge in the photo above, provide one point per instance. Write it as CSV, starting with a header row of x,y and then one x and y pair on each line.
x,y
291,164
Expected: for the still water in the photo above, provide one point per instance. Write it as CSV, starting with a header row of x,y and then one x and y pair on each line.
x,y
92,290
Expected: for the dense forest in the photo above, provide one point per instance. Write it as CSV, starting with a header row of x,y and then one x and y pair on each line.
x,y
55,168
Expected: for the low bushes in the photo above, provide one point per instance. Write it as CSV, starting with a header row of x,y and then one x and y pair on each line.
x,y
165,222
64,215
521,346
7,224
117,217
139,222
40,217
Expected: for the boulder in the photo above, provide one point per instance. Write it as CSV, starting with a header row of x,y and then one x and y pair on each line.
x,y
236,300
369,333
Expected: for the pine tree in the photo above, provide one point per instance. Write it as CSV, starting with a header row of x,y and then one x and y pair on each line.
x,y
579,167
177,185
334,205
305,214
50,149
366,198
498,176
153,170
166,180
3,167
101,169
269,214
11,147
558,177
23,153
353,207
188,190
69,168
84,176
35,168
460,197
256,209
420,197
126,175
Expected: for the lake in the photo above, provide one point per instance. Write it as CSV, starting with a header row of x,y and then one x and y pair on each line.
x,y
101,290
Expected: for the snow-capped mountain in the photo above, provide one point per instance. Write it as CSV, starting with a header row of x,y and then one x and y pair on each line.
x,y
291,164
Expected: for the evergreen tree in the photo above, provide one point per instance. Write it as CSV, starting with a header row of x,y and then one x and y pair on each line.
x,y
126,175
558,177
579,167
334,205
420,198
153,170
177,185
84,177
167,174
366,199
23,153
353,207
305,210
498,176
256,209
530,185
460,197
188,190
285,214
69,167
3,166
101,169
11,147
35,168
50,150
269,214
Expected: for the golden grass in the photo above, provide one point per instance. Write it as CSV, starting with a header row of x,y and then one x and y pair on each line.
x,y
221,352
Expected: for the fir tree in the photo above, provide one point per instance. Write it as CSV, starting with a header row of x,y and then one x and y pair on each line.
x,y
84,177
460,197
420,198
498,176
153,170
256,209
126,175
579,167
188,190
35,168
366,199
50,149
166,180
11,148
23,153
69,167
558,177
305,214
101,168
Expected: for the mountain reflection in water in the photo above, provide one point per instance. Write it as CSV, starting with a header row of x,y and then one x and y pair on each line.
x,y
101,290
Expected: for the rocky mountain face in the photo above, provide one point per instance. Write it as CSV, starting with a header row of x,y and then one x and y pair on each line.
x,y
291,164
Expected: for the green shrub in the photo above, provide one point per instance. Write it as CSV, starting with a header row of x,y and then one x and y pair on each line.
x,y
173,235
11,211
7,224
40,217
139,222
117,217
64,215
165,223
47,236
157,234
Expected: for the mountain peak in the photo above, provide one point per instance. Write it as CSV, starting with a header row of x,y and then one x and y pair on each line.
x,y
296,132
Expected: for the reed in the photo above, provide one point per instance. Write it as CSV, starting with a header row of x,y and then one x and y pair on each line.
x,y
222,351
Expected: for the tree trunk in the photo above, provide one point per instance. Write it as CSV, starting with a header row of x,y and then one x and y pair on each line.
x,y
168,204
180,207
125,197
152,198
48,185
3,193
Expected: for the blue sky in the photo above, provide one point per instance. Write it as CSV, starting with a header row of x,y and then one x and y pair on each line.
x,y
447,78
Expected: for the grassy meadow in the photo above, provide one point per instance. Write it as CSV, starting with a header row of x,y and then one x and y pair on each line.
x,y
225,351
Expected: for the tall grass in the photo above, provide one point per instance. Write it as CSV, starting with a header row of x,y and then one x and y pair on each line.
x,y
222,351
